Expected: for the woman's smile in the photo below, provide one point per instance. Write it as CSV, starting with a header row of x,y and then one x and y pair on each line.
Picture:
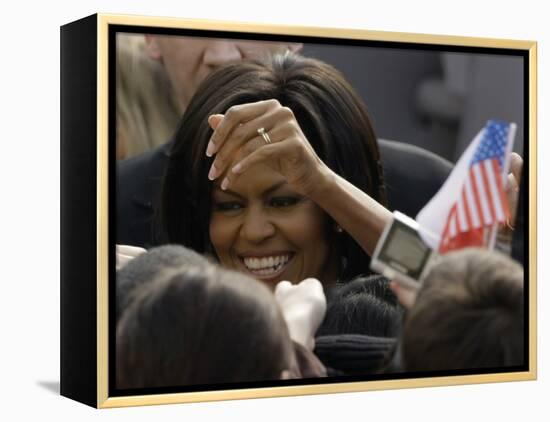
x,y
267,266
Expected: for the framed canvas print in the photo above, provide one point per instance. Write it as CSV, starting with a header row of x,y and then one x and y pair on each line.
x,y
261,211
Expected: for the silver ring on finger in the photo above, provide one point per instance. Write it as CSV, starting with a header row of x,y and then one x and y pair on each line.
x,y
261,131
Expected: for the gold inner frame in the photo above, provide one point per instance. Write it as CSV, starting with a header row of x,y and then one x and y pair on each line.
x,y
103,399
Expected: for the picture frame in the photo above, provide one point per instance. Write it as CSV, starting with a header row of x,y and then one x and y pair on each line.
x,y
88,172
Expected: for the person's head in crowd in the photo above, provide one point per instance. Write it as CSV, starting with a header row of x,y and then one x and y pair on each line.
x,y
188,60
358,334
262,212
147,110
202,325
146,267
365,306
469,313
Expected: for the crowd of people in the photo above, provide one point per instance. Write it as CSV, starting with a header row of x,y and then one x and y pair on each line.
x,y
259,216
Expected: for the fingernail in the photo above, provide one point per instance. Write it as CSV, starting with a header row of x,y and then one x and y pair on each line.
x,y
212,173
224,184
210,149
237,168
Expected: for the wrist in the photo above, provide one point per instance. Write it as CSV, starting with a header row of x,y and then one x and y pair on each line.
x,y
320,183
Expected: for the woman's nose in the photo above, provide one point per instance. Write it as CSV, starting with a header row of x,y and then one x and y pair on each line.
x,y
219,53
257,226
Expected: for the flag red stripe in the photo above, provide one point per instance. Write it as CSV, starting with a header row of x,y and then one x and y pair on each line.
x,y
457,225
463,240
477,220
476,197
467,209
487,186
495,193
445,234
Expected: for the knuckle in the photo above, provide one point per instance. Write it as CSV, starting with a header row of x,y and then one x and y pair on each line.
x,y
290,127
232,113
273,102
239,133
287,112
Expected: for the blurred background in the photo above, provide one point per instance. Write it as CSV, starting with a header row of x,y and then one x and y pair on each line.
x,y
435,100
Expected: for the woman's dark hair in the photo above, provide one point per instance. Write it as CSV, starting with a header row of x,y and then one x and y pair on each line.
x,y
329,112
468,314
201,325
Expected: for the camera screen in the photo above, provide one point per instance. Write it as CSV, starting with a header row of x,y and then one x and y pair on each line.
x,y
405,251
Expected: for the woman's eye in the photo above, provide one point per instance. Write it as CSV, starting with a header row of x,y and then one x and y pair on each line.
x,y
227,206
283,201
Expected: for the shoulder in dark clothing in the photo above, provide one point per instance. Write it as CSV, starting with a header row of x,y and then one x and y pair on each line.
x,y
138,183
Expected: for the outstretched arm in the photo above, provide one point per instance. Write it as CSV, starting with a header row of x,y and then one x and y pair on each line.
x,y
355,211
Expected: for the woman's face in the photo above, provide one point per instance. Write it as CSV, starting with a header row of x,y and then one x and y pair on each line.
x,y
263,228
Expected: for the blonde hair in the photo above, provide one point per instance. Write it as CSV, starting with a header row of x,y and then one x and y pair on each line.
x,y
147,111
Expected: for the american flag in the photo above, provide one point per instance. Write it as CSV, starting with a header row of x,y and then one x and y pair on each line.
x,y
472,200
482,202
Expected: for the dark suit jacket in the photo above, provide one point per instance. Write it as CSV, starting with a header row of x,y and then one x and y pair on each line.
x,y
137,197
412,176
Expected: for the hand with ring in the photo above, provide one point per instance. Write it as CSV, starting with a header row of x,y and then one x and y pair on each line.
x,y
263,132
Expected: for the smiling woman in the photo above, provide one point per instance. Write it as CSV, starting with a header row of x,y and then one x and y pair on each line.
x,y
302,199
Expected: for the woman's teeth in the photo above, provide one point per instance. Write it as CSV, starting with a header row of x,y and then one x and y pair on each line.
x,y
267,265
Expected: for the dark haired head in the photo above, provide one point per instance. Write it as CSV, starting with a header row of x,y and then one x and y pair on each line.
x,y
468,314
329,112
364,306
146,267
201,326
